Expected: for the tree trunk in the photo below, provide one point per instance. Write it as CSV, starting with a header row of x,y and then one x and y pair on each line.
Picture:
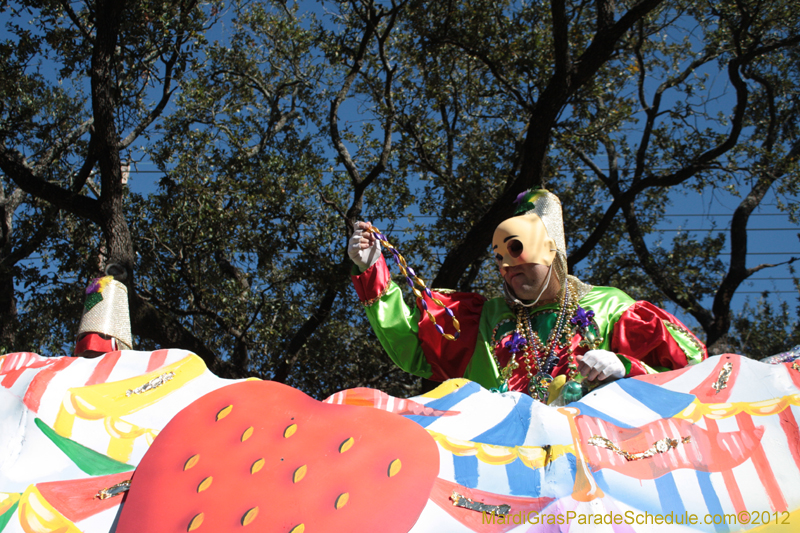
x,y
8,312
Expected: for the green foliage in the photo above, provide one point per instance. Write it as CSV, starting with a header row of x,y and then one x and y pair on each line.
x,y
762,329
276,130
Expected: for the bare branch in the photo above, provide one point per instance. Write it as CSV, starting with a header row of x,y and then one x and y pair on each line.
x,y
76,20
16,167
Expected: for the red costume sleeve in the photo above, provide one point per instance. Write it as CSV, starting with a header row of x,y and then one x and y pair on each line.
x,y
449,359
372,283
645,333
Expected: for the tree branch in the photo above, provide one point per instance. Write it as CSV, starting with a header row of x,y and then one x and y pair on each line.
x,y
15,167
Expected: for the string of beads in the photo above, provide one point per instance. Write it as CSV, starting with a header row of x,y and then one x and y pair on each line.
x,y
418,286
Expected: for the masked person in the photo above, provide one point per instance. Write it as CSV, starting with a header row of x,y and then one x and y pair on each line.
x,y
549,335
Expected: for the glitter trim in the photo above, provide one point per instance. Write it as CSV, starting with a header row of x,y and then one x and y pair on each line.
x,y
152,384
467,503
114,490
660,446
722,379
373,301
685,332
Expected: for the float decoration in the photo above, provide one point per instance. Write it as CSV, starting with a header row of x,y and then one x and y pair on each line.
x,y
267,455
668,445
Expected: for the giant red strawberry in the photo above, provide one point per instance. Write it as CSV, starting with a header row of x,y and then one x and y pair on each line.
x,y
262,456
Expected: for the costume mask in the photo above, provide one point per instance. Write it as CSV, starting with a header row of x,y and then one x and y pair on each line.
x,y
522,239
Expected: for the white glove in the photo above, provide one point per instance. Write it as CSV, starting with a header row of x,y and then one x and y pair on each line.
x,y
601,365
363,248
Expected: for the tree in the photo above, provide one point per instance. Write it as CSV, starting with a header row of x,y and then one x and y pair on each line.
x,y
273,140
127,52
763,330
260,269
628,101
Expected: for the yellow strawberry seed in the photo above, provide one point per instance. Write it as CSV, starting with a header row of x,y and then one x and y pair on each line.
x,y
191,461
205,484
249,516
346,445
299,474
341,500
196,522
258,465
224,412
394,467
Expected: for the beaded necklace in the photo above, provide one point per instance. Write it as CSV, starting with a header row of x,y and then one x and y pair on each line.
x,y
414,282
541,358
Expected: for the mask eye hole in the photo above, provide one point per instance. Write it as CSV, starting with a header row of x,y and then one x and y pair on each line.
x,y
498,258
514,248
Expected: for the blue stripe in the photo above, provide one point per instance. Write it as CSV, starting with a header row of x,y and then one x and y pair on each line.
x,y
524,481
600,479
466,470
663,401
594,413
668,495
559,477
711,498
511,431
445,403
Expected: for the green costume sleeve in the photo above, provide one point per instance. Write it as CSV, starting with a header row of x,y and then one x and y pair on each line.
x,y
397,329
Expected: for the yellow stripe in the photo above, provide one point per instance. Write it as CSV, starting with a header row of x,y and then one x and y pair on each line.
x,y
446,388
697,410
36,515
110,401
7,500
531,456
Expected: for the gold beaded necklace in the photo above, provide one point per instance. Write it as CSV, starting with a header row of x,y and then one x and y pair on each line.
x,y
539,358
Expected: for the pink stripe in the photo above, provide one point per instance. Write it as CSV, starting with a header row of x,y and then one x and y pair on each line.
x,y
727,475
794,374
14,364
157,360
706,393
33,396
104,368
789,426
763,467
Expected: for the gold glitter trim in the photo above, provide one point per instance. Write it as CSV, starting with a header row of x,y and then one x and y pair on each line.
x,y
152,384
444,291
685,332
580,288
796,366
722,379
114,490
370,303
460,500
660,446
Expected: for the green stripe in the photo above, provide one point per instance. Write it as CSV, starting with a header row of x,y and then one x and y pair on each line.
x,y
5,517
626,363
693,352
88,460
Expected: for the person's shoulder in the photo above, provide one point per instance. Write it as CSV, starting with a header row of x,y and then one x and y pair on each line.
x,y
600,289
602,294
496,307
454,295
